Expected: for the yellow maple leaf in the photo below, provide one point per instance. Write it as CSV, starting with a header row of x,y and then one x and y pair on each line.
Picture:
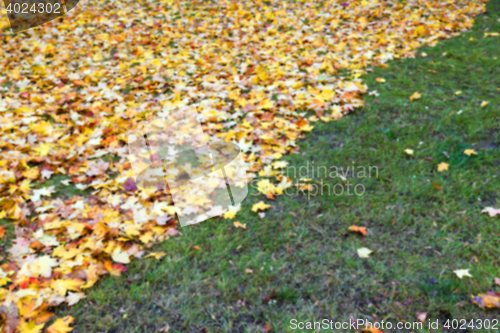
x,y
43,149
230,214
470,152
147,237
260,206
484,103
443,166
29,327
415,95
62,286
462,273
237,224
157,255
61,325
32,173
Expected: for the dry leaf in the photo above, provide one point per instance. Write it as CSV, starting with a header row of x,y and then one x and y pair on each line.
x,y
237,224
361,230
409,151
443,166
260,206
491,211
415,95
462,273
470,152
487,301
421,316
61,325
364,252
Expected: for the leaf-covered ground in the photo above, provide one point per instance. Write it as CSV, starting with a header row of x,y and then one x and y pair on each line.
x,y
261,73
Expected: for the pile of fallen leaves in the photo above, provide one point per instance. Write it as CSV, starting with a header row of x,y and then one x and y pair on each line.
x,y
71,89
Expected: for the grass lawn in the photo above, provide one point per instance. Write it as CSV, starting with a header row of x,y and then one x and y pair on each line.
x,y
301,262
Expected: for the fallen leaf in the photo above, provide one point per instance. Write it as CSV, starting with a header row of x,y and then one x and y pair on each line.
x,y
462,273
237,224
491,211
29,327
61,325
379,79
486,301
260,206
409,151
484,103
421,316
74,298
156,255
436,186
372,330
364,252
415,95
361,230
470,152
443,166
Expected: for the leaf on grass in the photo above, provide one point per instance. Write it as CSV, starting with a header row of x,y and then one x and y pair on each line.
x,y
237,224
364,252
487,301
361,230
156,255
409,151
443,166
436,186
421,316
371,330
260,206
74,298
491,211
470,152
415,95
461,273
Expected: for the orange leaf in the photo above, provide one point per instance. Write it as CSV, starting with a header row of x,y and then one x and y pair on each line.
x,y
372,330
361,230
488,301
437,186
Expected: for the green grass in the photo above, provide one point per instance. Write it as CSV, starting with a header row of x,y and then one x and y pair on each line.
x,y
304,261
